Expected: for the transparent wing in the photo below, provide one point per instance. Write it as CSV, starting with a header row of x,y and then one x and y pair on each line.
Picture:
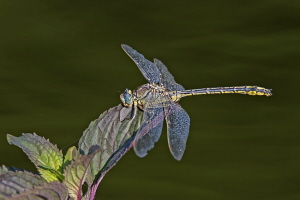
x,y
148,69
167,79
178,123
150,131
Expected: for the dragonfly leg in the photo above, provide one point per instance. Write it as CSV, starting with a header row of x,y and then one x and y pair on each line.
x,y
133,111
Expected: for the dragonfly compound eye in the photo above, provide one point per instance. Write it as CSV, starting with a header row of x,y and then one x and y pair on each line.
x,y
126,98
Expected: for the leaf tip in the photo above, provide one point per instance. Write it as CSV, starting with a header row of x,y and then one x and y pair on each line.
x,y
9,138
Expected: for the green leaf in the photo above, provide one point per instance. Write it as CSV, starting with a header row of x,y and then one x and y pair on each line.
x,y
75,174
71,154
3,169
45,156
113,132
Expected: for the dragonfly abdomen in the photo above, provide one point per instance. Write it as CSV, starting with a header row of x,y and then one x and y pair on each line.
x,y
250,90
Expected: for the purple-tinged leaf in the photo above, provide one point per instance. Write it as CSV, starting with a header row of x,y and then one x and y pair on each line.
x,y
24,185
113,132
12,183
75,174
46,156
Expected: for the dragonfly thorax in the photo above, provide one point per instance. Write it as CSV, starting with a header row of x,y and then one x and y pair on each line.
x,y
149,94
152,95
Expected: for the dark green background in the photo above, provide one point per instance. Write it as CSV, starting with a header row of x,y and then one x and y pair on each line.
x,y
61,65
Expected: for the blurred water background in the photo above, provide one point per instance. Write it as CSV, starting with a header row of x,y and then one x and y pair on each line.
x,y
61,66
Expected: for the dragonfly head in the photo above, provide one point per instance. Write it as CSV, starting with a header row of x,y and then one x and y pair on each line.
x,y
126,98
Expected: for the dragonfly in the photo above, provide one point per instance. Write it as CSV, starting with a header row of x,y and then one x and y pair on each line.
x,y
158,99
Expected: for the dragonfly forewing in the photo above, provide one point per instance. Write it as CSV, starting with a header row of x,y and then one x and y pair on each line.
x,y
166,78
148,69
178,123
